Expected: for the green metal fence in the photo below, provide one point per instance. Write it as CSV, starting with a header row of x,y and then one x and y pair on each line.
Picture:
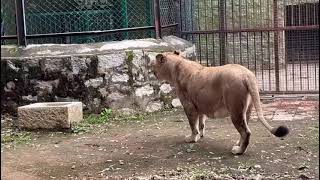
x,y
62,16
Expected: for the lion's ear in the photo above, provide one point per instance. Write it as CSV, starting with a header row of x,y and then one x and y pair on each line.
x,y
176,53
160,58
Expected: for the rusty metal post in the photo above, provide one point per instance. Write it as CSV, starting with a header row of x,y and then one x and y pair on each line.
x,y
276,44
222,34
156,15
21,26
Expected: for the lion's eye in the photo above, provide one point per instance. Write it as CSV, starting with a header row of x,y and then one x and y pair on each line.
x,y
162,60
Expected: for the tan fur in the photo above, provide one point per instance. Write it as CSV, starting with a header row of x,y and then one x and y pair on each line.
x,y
216,92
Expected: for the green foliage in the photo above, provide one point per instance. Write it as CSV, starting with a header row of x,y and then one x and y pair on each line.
x,y
18,138
130,56
103,118
106,113
134,117
80,127
92,119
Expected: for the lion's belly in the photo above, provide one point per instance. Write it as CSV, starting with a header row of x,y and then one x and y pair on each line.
x,y
213,110
221,113
217,113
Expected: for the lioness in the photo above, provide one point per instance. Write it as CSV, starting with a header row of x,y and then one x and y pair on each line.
x,y
216,92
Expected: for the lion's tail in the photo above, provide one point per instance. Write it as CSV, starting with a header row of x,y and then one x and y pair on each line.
x,y
254,92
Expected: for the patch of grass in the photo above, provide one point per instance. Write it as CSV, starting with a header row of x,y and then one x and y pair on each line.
x,y
106,113
134,117
92,119
104,117
80,127
21,137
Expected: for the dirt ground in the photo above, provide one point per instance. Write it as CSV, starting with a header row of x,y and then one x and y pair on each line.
x,y
155,149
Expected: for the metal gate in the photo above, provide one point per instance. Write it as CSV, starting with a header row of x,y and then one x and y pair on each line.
x,y
277,39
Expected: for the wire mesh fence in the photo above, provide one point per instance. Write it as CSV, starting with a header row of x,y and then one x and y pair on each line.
x,y
8,24
63,16
168,17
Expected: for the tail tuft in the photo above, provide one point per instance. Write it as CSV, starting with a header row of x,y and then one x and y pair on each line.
x,y
280,131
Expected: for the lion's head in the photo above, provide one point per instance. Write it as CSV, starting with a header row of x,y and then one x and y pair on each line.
x,y
163,65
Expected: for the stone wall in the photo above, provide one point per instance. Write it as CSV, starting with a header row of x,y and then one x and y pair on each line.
x,y
113,75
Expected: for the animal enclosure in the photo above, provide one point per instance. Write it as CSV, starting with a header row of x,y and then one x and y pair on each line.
x,y
277,39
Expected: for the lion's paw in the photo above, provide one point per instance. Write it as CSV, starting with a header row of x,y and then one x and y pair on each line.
x,y
192,138
201,134
236,150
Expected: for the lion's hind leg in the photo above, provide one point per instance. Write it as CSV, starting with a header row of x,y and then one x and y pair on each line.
x,y
248,116
238,104
241,125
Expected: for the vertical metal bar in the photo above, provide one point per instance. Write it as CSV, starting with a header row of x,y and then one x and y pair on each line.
x,y
286,56
276,43
248,58
222,33
206,28
292,23
200,55
157,23
233,45
185,16
178,17
213,52
240,34
212,27
314,13
269,53
299,44
226,34
199,36
180,8
124,12
261,44
307,23
315,75
254,12
255,53
192,15
205,14
269,60
207,58
314,23
21,23
212,17
262,68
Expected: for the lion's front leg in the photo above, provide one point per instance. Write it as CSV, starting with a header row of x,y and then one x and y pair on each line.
x,y
202,120
195,134
193,118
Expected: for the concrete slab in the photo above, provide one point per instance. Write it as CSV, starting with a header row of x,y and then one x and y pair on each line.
x,y
49,115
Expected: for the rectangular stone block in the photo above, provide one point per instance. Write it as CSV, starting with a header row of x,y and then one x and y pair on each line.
x,y
49,115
